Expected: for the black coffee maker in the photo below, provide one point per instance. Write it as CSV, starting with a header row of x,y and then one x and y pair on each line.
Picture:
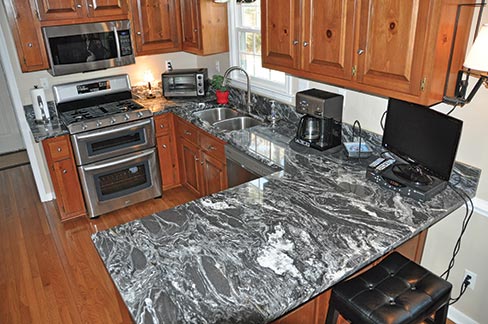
x,y
321,126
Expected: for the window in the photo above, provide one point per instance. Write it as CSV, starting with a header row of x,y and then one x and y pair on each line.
x,y
245,51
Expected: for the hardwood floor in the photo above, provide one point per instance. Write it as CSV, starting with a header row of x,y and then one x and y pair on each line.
x,y
50,271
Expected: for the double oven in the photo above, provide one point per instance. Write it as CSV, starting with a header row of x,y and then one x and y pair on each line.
x,y
114,148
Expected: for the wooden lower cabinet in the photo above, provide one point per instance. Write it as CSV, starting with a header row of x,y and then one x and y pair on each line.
x,y
315,310
166,145
203,167
64,176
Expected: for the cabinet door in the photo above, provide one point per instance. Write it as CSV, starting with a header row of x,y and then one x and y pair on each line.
x,y
190,168
61,9
27,35
214,174
329,31
168,162
392,44
156,26
68,194
280,28
190,22
104,8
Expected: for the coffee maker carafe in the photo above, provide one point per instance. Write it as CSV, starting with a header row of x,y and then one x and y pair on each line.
x,y
321,126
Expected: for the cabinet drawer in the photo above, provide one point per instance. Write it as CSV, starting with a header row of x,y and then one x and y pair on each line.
x,y
212,146
59,148
187,131
162,123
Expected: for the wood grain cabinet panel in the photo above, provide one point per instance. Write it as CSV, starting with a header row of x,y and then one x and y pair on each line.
x,y
166,145
157,26
191,174
64,176
26,31
392,48
73,11
204,27
214,174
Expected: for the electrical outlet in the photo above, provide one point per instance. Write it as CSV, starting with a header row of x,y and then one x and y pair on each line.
x,y
44,83
217,66
472,281
169,65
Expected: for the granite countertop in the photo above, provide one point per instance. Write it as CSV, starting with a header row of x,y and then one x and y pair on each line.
x,y
252,253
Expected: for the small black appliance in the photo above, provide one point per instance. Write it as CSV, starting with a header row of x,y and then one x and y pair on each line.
x,y
320,128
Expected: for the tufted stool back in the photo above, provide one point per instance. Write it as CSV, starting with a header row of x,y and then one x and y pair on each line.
x,y
395,291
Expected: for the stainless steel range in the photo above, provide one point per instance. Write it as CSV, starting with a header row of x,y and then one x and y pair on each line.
x,y
113,142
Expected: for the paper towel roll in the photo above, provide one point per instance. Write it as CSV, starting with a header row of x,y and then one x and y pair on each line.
x,y
39,102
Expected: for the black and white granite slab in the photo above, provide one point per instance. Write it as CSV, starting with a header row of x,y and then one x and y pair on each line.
x,y
254,252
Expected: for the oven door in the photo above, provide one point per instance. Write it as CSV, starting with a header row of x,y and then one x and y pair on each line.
x,y
119,182
113,141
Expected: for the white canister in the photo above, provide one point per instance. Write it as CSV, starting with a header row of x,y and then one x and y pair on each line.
x,y
39,102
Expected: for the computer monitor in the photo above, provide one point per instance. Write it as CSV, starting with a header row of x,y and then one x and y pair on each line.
x,y
425,138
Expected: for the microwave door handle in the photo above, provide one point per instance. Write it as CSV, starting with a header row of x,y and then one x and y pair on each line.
x,y
117,43
114,130
98,166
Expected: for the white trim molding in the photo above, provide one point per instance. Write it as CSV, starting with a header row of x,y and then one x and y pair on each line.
x,y
481,206
458,317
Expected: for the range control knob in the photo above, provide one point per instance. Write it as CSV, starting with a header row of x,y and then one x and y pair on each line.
x,y
84,126
126,117
140,114
99,123
113,120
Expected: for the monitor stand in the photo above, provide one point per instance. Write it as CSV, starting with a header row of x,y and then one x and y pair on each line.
x,y
413,173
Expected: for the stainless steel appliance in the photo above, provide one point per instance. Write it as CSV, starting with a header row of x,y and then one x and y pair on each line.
x,y
113,142
243,168
185,83
321,126
88,47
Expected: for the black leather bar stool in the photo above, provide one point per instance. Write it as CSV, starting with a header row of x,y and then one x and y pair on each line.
x,y
395,291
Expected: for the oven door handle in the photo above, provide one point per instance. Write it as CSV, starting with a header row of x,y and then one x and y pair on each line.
x,y
98,166
113,130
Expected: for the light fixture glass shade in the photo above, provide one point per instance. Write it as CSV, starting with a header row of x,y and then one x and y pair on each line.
x,y
477,58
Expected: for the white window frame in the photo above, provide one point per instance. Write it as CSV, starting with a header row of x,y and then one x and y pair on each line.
x,y
282,93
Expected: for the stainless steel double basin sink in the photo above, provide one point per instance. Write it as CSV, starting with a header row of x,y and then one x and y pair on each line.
x,y
226,118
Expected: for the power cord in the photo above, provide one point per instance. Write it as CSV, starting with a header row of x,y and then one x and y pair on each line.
x,y
382,120
450,111
468,203
358,124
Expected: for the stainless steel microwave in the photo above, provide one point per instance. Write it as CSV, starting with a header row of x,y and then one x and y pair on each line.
x,y
185,83
88,47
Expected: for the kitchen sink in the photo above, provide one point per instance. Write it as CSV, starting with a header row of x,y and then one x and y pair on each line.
x,y
237,123
214,115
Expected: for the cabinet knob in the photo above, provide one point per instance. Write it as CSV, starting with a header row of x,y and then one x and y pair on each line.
x,y
195,30
59,149
360,51
161,126
305,44
90,5
78,6
187,132
138,33
65,171
295,42
211,148
196,159
164,146
29,44
201,163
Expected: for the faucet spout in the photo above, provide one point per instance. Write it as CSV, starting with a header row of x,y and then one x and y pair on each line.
x,y
248,98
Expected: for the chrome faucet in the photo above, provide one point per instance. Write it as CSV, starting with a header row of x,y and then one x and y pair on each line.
x,y
248,99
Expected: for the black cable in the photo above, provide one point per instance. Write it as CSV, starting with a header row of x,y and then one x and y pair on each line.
x,y
450,111
358,124
462,290
467,217
382,120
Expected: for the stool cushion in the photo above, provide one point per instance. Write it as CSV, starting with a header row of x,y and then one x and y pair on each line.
x,y
395,291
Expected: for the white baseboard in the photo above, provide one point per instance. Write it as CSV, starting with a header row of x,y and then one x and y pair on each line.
x,y
459,317
481,206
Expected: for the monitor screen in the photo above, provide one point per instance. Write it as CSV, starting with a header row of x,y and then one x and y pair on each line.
x,y
422,136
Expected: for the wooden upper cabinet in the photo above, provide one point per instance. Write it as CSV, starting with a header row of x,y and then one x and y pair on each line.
x,y
280,25
156,24
328,37
27,35
392,41
204,27
82,10
392,48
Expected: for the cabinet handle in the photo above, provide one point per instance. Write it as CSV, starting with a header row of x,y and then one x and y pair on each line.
x,y
138,33
195,30
201,163
164,146
29,44
360,51
160,126
59,149
90,5
187,132
65,171
196,159
305,44
295,42
211,148
78,6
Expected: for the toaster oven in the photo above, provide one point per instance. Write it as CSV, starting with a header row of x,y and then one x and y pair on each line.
x,y
185,83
